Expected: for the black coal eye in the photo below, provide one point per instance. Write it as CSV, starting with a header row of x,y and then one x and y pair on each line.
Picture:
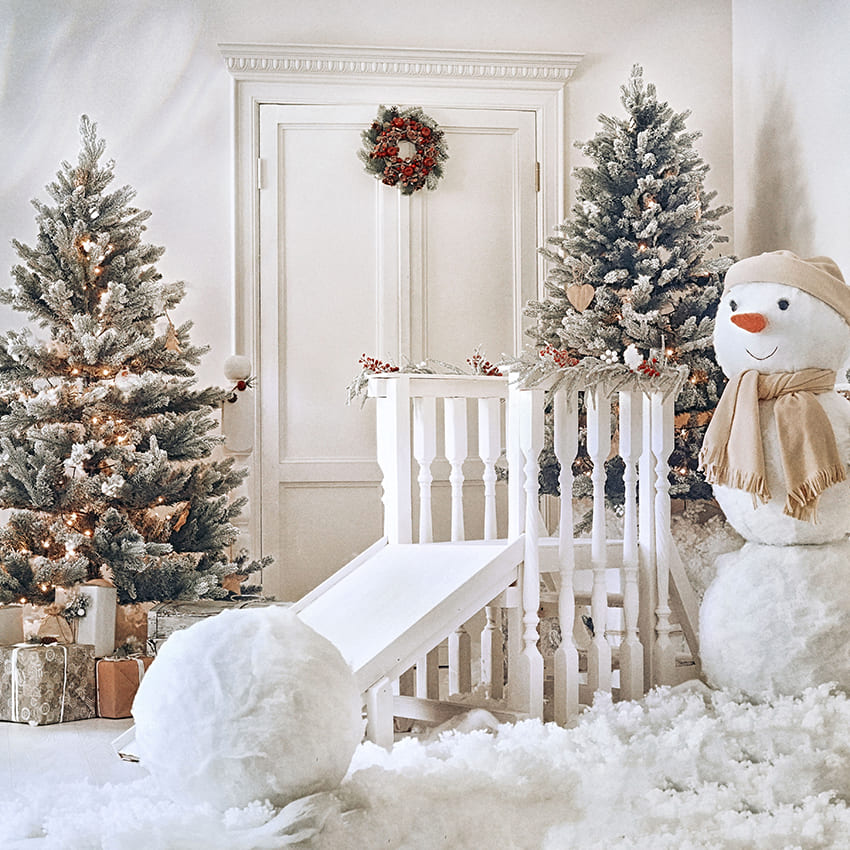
x,y
733,305
783,304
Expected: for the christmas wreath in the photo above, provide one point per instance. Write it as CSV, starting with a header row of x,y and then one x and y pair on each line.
x,y
404,148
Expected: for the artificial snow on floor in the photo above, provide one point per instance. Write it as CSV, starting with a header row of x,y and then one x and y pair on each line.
x,y
687,768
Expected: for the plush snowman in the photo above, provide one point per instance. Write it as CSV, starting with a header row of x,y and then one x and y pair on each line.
x,y
778,447
777,453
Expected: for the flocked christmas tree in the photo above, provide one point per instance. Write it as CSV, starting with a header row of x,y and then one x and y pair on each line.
x,y
631,274
105,441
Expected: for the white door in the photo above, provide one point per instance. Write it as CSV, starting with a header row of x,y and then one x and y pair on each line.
x,y
349,266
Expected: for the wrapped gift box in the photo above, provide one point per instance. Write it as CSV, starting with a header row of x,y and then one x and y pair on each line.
x,y
165,618
47,683
118,680
11,624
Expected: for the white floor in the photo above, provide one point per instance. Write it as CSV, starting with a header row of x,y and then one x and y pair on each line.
x,y
78,750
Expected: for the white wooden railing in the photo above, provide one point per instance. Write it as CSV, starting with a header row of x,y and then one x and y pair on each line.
x,y
638,573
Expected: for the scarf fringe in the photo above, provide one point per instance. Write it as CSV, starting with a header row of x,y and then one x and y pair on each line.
x,y
717,473
802,504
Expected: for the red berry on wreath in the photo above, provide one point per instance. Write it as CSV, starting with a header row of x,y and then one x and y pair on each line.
x,y
241,385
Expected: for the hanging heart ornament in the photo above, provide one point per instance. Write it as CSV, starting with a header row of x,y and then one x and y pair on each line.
x,y
580,296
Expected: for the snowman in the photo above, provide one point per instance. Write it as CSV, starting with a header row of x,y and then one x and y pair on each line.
x,y
776,619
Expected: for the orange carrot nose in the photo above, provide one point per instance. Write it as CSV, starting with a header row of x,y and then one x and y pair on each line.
x,y
752,322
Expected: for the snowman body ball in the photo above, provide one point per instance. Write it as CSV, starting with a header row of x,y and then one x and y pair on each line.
x,y
776,619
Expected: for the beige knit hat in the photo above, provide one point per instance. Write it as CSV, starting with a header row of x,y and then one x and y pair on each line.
x,y
819,276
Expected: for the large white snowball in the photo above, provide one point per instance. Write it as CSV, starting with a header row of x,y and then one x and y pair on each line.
x,y
248,705
775,619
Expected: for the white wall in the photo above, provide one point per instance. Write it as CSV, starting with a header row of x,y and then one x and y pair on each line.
x,y
791,118
149,73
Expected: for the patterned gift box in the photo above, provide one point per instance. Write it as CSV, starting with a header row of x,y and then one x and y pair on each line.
x,y
47,683
118,679
165,618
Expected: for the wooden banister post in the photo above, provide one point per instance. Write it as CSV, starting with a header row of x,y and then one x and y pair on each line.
x,y
662,446
598,446
631,651
647,583
425,450
566,655
456,451
393,426
516,460
529,684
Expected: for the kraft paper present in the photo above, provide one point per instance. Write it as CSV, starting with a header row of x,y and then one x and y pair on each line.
x,y
47,683
118,679
11,624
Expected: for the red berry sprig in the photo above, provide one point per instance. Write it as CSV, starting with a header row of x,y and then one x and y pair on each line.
x,y
559,356
372,364
648,368
480,366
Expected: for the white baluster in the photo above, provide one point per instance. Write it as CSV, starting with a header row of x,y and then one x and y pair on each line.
x,y
662,446
566,655
489,449
379,714
425,450
428,675
393,426
529,684
455,425
647,584
631,651
598,447
460,654
492,653
460,662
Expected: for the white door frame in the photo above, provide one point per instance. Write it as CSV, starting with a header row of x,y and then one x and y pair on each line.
x,y
310,74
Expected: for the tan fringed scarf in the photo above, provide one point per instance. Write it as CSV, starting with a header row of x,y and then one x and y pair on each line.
x,y
732,452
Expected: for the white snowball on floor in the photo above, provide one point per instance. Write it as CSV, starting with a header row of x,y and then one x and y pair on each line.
x,y
775,619
248,705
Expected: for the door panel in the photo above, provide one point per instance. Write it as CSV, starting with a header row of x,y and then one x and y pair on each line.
x,y
349,266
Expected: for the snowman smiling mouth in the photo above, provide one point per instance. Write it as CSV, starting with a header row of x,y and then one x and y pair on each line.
x,y
756,357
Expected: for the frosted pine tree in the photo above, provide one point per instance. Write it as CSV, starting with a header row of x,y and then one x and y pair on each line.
x,y
105,442
631,270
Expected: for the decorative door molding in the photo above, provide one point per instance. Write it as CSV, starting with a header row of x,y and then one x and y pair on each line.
x,y
317,75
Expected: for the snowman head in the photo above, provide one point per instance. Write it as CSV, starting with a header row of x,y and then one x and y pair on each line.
x,y
780,313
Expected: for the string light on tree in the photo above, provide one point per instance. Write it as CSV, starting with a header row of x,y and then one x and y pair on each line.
x,y
643,233
105,417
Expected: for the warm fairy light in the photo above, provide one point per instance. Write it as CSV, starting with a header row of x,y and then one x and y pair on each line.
x,y
161,499
642,246
46,544
23,600
106,372
88,532
98,270
669,352
75,371
87,244
94,420
44,588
